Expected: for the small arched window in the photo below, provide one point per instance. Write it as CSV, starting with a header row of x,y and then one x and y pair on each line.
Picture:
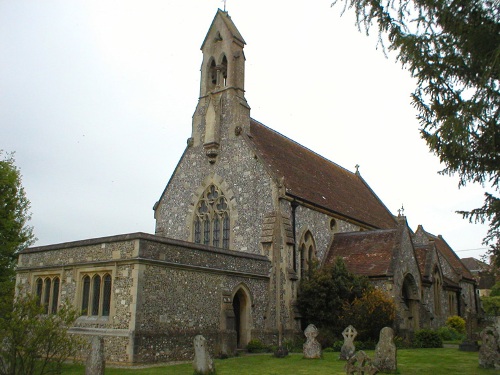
x,y
39,290
212,221
223,71
307,253
106,295
437,292
212,74
85,294
55,295
96,294
46,294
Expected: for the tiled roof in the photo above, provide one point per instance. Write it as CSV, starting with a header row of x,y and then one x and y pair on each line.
x,y
424,254
446,251
365,253
316,180
475,265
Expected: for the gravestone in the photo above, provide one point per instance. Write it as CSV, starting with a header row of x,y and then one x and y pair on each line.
x,y
348,348
360,364
469,344
489,352
385,352
311,348
95,363
203,363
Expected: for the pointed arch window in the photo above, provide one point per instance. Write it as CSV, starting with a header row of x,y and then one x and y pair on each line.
x,y
47,293
223,71
307,253
437,292
96,294
212,220
212,74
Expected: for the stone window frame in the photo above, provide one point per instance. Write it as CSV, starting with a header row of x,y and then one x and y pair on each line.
x,y
437,284
92,273
307,252
452,304
220,183
46,291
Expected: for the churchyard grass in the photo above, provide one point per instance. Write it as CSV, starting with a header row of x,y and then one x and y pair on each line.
x,y
410,362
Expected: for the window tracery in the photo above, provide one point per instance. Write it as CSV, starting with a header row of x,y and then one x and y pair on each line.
x,y
307,253
47,293
212,220
96,294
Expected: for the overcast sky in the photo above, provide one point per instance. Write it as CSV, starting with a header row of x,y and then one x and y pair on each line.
x,y
96,99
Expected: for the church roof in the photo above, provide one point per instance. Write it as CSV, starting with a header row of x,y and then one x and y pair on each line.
x,y
475,265
318,181
229,24
447,252
367,253
424,260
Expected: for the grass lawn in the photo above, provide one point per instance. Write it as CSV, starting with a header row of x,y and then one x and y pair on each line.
x,y
411,361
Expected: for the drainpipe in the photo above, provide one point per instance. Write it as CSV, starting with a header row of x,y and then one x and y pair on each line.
x,y
294,205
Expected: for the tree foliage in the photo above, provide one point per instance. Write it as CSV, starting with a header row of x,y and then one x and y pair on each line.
x,y
322,295
15,233
34,343
491,305
370,313
452,48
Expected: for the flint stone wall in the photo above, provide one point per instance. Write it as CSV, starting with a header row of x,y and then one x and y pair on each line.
x,y
164,292
240,175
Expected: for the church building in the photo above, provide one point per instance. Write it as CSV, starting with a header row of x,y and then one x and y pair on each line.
x,y
244,213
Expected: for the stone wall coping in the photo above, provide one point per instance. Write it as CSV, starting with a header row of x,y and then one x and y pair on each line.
x,y
146,237
101,331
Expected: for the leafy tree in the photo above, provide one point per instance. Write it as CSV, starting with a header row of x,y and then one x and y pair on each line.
x,y
452,48
15,233
322,295
34,343
370,313
495,290
491,305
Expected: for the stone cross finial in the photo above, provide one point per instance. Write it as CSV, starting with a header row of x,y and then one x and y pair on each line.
x,y
224,1
357,168
401,211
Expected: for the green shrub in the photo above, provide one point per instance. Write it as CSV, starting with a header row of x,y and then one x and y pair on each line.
x,y
329,350
457,323
365,345
295,345
337,345
491,305
256,346
449,334
402,343
326,337
427,338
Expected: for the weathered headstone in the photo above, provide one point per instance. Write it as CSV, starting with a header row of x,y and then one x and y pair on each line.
x,y
203,363
489,352
360,364
348,348
469,344
96,363
311,348
385,352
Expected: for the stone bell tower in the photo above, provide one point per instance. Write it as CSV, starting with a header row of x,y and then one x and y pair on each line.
x,y
222,112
